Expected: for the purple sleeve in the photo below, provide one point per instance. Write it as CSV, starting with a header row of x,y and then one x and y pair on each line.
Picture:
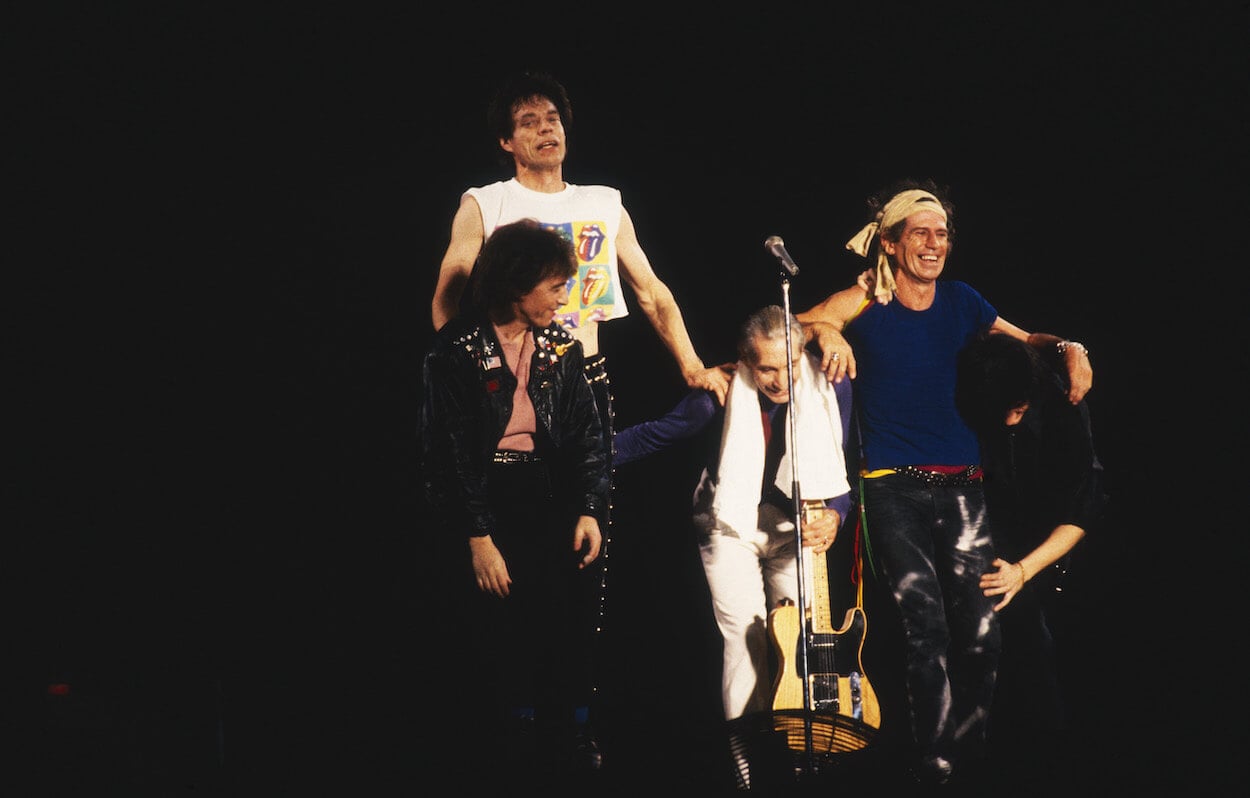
x,y
840,503
687,417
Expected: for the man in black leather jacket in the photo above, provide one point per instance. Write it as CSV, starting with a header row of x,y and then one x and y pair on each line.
x,y
515,466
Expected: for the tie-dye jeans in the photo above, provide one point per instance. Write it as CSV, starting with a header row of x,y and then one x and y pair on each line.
x,y
932,543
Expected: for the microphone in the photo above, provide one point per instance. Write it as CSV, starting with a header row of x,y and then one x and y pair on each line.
x,y
775,245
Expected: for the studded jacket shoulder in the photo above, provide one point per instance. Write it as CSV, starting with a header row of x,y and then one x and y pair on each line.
x,y
467,401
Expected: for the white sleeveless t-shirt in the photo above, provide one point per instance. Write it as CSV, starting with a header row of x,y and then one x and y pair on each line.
x,y
587,216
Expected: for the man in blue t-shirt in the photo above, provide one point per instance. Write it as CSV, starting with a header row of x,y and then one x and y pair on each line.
x,y
897,333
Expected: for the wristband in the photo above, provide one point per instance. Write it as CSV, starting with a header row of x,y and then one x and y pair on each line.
x,y
1063,346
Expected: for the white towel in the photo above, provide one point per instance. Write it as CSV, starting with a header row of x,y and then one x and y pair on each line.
x,y
821,465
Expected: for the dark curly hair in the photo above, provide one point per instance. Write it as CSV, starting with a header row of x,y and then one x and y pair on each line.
x,y
519,88
515,259
994,374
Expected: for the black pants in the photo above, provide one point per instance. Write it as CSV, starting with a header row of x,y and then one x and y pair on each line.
x,y
533,648
932,544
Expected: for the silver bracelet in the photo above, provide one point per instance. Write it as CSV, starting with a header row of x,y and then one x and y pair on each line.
x,y
1063,347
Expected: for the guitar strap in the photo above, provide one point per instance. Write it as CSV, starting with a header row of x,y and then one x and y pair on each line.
x,y
861,547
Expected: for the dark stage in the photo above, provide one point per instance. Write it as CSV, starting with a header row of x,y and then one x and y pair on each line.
x,y
229,223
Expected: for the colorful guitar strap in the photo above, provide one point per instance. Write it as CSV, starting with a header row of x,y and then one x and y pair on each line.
x,y
861,547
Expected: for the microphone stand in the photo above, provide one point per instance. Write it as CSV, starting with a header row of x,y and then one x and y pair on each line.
x,y
796,499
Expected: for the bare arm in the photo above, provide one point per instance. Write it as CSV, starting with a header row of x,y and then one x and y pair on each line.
x,y
824,323
1010,577
1080,371
657,303
467,235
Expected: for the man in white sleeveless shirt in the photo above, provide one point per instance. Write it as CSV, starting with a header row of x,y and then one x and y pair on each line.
x,y
528,117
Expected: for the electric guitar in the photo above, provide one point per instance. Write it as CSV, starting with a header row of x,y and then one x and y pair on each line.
x,y
838,686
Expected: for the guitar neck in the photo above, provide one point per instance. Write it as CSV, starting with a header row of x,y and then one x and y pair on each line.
x,y
821,611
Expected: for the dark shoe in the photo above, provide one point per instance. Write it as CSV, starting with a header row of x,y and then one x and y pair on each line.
x,y
932,771
585,755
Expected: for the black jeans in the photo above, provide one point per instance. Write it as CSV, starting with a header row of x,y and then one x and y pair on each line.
x,y
534,646
932,543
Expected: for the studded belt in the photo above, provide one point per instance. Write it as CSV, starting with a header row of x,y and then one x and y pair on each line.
x,y
966,477
508,456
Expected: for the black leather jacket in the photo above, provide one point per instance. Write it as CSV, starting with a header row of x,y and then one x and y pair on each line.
x,y
468,391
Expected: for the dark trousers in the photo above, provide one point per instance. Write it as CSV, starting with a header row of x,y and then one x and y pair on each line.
x,y
1030,723
932,543
533,648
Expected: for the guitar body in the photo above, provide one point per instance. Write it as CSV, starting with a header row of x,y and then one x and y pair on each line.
x,y
838,685
838,688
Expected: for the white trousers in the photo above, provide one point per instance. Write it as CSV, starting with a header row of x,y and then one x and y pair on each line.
x,y
748,574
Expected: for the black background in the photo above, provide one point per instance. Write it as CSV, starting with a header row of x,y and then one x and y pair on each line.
x,y
225,231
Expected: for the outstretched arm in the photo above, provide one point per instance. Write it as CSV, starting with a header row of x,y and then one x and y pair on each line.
x,y
657,303
1008,578
467,235
1075,356
694,412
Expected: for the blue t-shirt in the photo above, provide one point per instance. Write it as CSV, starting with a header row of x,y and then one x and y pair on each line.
x,y
905,380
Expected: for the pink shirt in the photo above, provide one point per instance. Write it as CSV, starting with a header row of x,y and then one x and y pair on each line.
x,y
519,434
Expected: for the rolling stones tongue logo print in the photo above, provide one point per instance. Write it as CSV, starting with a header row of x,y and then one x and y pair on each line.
x,y
594,285
592,295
